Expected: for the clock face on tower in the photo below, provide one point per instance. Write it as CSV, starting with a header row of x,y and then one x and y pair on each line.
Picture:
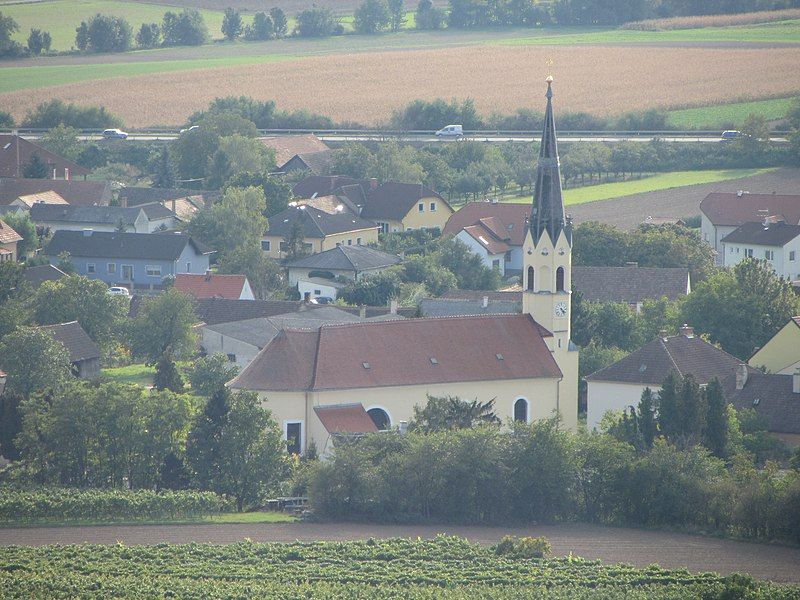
x,y
560,309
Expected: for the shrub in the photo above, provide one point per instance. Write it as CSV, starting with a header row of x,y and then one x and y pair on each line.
x,y
524,547
315,22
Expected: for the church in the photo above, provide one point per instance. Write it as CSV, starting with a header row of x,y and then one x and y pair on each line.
x,y
345,380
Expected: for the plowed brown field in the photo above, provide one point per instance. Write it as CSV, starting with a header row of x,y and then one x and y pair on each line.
x,y
367,87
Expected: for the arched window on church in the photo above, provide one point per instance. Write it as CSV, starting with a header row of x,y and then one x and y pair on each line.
x,y
521,410
560,279
530,279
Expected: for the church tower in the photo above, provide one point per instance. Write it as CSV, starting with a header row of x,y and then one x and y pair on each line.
x,y
547,265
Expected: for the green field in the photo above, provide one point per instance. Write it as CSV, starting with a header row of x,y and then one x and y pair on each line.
x,y
250,518
138,374
662,181
716,117
444,568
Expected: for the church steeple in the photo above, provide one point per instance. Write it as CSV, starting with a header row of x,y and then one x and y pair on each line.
x,y
547,211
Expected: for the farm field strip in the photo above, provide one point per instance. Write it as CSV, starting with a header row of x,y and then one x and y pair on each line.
x,y
600,80
718,115
662,181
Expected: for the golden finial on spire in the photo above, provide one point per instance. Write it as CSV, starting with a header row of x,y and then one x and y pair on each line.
x,y
549,63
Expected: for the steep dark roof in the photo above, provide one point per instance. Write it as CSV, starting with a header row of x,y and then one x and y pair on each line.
x,y
547,212
772,234
492,295
347,258
102,244
288,146
156,210
775,400
322,185
133,196
402,352
316,162
631,285
316,223
12,146
444,307
223,310
734,209
651,363
37,275
79,345
392,200
74,192
67,213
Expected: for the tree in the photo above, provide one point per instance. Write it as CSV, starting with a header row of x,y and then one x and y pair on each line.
x,y
262,28
373,290
263,273
238,154
55,112
186,28
277,190
352,160
237,220
397,14
715,436
87,301
279,21
82,36
12,281
203,441
428,16
63,140
232,24
295,238
209,374
646,417
468,267
10,424
8,27
6,120
315,22
164,176
163,327
450,412
35,168
22,224
148,36
167,376
371,16
752,296
104,33
39,41
33,361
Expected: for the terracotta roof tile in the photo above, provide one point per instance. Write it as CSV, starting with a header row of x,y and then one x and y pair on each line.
x,y
484,236
74,192
732,209
9,153
514,218
211,285
287,146
7,234
345,418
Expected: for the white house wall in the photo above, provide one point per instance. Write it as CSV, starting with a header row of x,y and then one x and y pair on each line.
x,y
214,342
604,396
476,248
315,290
781,263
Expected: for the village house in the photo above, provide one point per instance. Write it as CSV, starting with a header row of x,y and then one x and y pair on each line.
x,y
631,284
38,274
781,354
722,213
300,153
8,243
48,198
318,229
84,193
526,363
772,239
214,285
84,355
491,229
146,218
393,206
16,153
620,385
183,202
137,261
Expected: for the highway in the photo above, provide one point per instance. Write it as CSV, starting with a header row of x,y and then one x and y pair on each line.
x,y
420,138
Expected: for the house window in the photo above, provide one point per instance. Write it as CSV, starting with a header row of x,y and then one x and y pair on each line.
x,y
421,207
358,241
748,252
769,254
318,292
231,358
153,270
560,279
433,206
127,272
530,279
188,267
265,245
381,418
508,256
383,227
293,434
520,410
496,264
791,255
111,267
90,268
284,246
349,242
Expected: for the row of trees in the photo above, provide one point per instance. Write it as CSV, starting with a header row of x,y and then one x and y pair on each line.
x,y
265,26
38,41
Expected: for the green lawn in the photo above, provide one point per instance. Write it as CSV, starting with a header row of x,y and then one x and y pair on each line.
x,y
233,517
61,17
662,181
715,117
139,374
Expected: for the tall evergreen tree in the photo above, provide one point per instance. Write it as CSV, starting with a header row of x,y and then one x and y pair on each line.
x,y
203,442
647,418
668,415
715,436
691,412
164,177
232,24
279,21
167,375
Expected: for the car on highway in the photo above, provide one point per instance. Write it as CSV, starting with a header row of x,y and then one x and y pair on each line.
x,y
188,129
321,300
114,134
730,134
119,291
450,131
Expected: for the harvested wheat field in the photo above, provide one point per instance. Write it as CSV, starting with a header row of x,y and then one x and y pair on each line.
x,y
366,87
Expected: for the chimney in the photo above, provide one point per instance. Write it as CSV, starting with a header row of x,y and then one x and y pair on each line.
x,y
373,183
392,306
66,173
87,233
208,274
796,381
687,331
55,173
486,302
741,376
362,311
662,334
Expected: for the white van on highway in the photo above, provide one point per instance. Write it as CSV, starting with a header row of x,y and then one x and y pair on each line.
x,y
450,131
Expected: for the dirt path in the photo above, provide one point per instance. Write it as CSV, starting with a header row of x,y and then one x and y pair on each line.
x,y
612,545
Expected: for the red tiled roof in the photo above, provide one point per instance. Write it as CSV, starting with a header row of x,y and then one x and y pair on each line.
x,y
512,218
287,146
403,352
211,286
9,155
345,418
7,234
732,209
484,236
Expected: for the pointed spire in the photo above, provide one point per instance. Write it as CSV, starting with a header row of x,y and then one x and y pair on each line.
x,y
547,212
